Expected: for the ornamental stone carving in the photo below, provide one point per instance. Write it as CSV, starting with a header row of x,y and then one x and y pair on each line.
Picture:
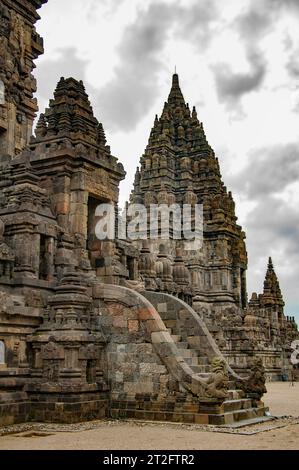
x,y
218,382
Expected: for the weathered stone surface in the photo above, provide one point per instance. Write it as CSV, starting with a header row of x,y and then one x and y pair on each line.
x,y
218,382
179,166
78,340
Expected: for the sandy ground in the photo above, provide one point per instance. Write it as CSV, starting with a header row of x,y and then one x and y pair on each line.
x,y
282,399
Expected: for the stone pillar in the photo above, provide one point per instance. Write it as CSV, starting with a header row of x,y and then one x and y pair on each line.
x,y
8,138
79,214
27,250
7,256
236,274
2,352
244,299
46,259
67,358
50,250
61,199
147,266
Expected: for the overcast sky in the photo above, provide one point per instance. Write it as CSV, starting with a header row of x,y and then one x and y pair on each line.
x,y
238,62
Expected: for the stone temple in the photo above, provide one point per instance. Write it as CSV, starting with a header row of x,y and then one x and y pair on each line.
x,y
116,328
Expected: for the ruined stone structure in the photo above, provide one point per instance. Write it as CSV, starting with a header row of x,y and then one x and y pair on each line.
x,y
93,329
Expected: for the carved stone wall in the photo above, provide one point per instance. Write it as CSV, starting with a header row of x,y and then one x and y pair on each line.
x,y
20,45
179,166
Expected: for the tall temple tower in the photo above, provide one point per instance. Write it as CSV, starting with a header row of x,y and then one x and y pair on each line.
x,y
20,45
272,293
179,166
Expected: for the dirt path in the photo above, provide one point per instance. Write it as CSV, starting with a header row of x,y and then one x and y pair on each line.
x,y
281,398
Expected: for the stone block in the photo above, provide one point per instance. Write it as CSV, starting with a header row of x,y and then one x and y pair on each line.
x,y
143,349
78,182
121,348
194,342
166,349
169,315
148,369
201,419
79,197
184,315
161,337
120,322
188,418
129,370
133,325
119,377
62,207
116,309
173,364
141,386
162,307
145,314
155,325
172,324
132,314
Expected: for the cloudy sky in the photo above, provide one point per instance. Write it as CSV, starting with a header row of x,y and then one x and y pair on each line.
x,y
238,62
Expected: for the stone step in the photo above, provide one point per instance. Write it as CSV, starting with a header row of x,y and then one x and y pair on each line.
x,y
188,414
203,360
182,345
235,394
231,385
188,353
193,362
154,416
237,405
170,323
232,417
169,316
248,422
249,413
203,375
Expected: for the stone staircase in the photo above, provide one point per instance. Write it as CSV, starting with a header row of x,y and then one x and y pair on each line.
x,y
199,364
182,353
237,410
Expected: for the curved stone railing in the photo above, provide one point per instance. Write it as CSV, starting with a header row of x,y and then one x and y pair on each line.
x,y
163,343
211,345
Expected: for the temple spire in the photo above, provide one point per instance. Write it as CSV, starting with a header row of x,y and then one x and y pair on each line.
x,y
271,272
70,116
178,126
272,293
176,96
